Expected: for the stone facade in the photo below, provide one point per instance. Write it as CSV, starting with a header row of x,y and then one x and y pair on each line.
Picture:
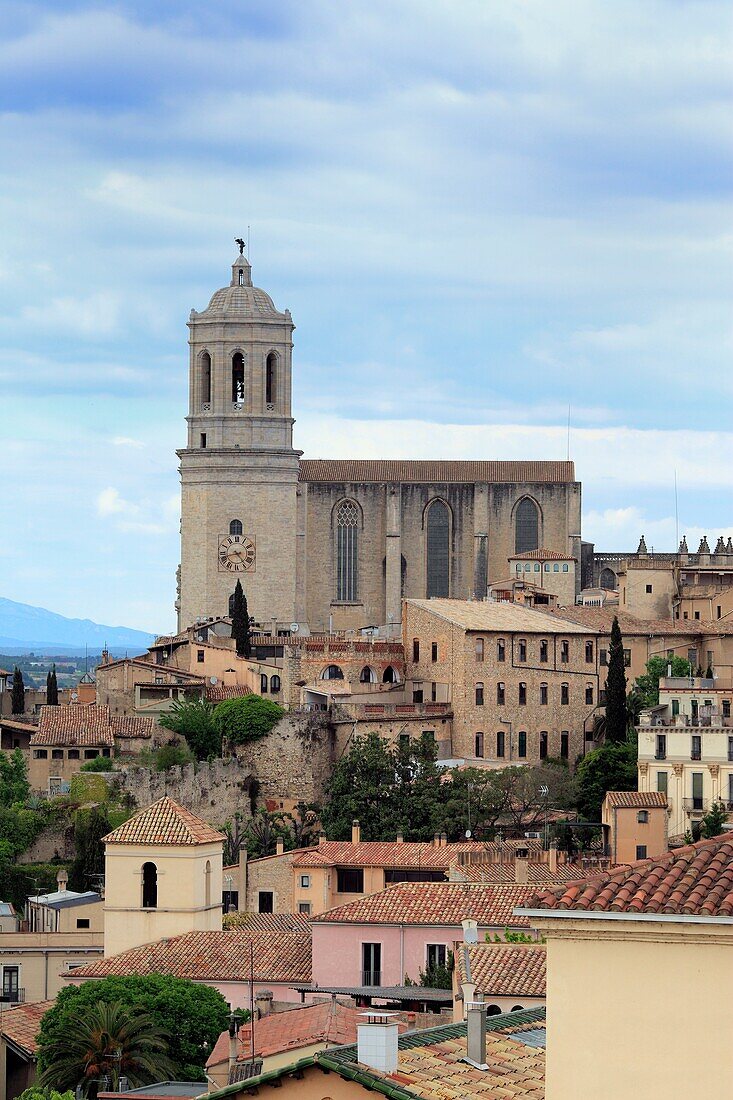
x,y
332,545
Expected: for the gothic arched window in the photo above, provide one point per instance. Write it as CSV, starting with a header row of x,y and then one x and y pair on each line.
x,y
271,379
150,886
235,527
438,549
526,527
608,579
332,672
347,552
237,377
205,378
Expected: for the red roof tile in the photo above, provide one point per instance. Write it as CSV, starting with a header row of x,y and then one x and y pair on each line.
x,y
637,800
22,1023
541,555
78,724
538,874
214,956
164,822
503,969
267,922
132,725
695,880
431,857
434,903
326,1022
431,472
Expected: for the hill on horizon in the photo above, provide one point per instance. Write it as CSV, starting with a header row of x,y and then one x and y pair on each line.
x,y
24,628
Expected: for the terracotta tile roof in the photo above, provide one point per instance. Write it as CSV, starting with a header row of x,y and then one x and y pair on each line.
x,y
77,724
434,903
503,969
215,693
326,1022
214,957
600,620
431,472
538,874
695,880
541,555
21,1024
637,800
164,822
432,1062
501,616
342,853
268,922
132,725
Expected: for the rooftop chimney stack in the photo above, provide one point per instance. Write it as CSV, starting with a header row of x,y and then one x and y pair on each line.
x,y
62,879
263,1003
552,859
233,1029
521,870
355,832
400,837
279,846
470,930
377,1041
476,1035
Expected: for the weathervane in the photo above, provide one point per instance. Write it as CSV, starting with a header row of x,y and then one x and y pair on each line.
x,y
240,242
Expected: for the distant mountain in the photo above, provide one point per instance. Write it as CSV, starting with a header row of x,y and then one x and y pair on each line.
x,y
24,629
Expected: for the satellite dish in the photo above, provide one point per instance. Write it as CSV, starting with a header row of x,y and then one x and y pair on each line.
x,y
212,679
294,628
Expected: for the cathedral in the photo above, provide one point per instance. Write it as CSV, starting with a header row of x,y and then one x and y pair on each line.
x,y
333,544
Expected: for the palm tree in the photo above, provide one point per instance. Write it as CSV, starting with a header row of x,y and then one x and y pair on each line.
x,y
107,1040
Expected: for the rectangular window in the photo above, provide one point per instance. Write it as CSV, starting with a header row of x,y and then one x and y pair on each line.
x,y
564,745
305,881
641,851
371,964
304,907
57,754
501,650
589,653
648,590
726,708
479,649
660,752
543,745
203,441
675,707
350,880
564,694
434,652
522,695
73,754
417,693
435,954
522,650
479,745
265,901
200,656
697,614
696,747
82,922
719,612
730,788
589,695
11,984
40,754
433,692
522,744
627,657
662,782
415,650
697,791
544,693
479,695
90,754
730,748
500,742
564,652
603,658
643,817
544,652
500,695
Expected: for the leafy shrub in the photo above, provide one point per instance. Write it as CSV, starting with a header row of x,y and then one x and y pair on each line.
x,y
171,755
194,721
98,764
247,718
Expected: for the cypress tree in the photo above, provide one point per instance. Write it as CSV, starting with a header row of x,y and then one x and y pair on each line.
x,y
617,716
240,622
17,696
52,688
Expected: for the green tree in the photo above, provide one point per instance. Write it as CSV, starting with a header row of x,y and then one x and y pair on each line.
x,y
240,622
714,821
35,1092
14,786
646,687
261,833
174,754
107,1039
612,767
52,688
438,975
194,721
194,1015
475,799
363,787
17,693
87,869
617,718
245,719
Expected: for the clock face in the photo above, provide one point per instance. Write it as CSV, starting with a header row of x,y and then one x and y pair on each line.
x,y
236,554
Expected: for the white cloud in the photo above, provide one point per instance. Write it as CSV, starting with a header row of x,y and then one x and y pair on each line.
x,y
126,441
110,503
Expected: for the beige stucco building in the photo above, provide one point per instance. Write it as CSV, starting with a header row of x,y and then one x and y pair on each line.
x,y
332,543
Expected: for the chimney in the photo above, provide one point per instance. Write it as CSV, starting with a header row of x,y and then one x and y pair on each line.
x,y
105,656
436,840
443,840
233,1043
321,838
470,930
377,1041
279,846
355,832
476,1035
263,1001
521,870
242,879
400,837
62,879
552,859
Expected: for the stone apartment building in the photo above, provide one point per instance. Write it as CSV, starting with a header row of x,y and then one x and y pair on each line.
x,y
523,685
138,686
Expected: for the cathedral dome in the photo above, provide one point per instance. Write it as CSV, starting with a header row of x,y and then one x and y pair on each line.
x,y
240,300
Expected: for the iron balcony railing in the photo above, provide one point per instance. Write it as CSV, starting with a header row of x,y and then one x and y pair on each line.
x,y
695,805
371,977
13,996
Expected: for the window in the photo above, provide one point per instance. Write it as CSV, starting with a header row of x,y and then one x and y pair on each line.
x,y
389,676
641,851
90,754
589,653
643,817
522,744
662,782
537,567
697,803
371,964
675,707
544,695
719,612
417,692
263,684
73,754
433,692
608,579
589,695
235,527
271,379
544,651
648,590
205,378
697,614
500,694
237,378
522,695
500,743
367,675
438,549
275,684
501,650
543,745
200,656
603,658
265,901
726,708
479,649
305,881
415,650
478,747
350,880
202,441
40,754
207,884
11,983
434,652
304,907
333,672
556,568
696,747
479,695
565,652
661,747
241,276
730,748
522,650
526,527
150,886
347,551
57,754
435,954
566,567
564,694
82,922
564,745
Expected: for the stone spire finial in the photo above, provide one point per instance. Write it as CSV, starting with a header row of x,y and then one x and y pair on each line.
x,y
729,546
720,546
642,546
703,548
683,546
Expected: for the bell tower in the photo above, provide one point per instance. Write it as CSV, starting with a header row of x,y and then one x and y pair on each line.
x,y
239,471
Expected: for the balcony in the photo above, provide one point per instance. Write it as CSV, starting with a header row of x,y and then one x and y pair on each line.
x,y
695,805
696,754
13,996
371,977
660,755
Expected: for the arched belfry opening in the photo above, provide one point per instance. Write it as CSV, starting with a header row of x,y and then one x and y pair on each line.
x,y
237,378
150,886
271,379
205,378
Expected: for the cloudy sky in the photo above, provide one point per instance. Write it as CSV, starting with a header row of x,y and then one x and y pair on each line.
x,y
478,211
